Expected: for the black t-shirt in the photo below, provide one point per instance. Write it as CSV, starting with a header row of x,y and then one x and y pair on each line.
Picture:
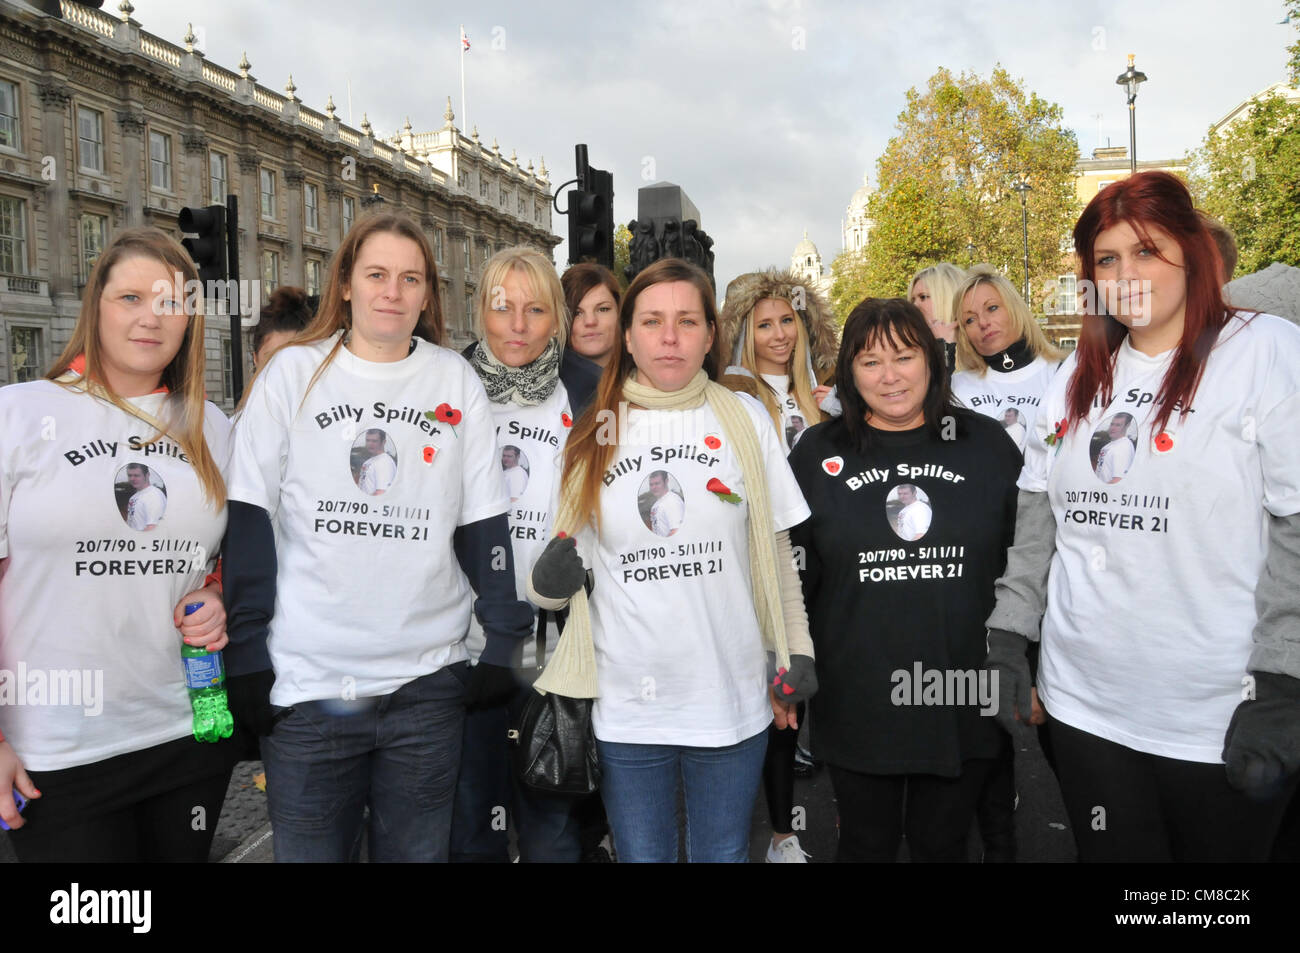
x,y
899,560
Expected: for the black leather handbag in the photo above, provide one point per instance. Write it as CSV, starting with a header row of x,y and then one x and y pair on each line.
x,y
553,745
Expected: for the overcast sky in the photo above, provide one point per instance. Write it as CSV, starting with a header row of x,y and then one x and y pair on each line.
x,y
767,114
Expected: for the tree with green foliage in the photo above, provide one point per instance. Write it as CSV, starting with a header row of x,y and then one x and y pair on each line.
x,y
1293,16
1247,175
945,182
622,242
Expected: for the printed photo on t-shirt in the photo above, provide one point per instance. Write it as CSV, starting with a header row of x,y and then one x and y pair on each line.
x,y
907,507
661,504
141,496
1113,447
373,459
514,464
1013,422
794,430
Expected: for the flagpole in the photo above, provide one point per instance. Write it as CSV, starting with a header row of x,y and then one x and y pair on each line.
x,y
464,116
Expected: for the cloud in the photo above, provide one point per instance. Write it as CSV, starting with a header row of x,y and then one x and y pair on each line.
x,y
766,113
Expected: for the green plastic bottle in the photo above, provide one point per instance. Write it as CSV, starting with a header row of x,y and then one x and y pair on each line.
x,y
205,677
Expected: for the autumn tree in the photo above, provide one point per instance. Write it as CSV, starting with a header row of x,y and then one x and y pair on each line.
x,y
622,255
1247,175
945,183
1293,15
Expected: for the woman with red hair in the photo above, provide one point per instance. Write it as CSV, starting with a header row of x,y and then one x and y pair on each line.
x,y
1165,594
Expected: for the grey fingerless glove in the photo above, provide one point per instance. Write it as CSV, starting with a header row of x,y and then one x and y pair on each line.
x,y
798,683
1262,745
1008,660
558,572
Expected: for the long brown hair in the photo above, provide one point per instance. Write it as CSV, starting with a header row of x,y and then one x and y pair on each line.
x,y
183,407
584,445
1144,200
335,313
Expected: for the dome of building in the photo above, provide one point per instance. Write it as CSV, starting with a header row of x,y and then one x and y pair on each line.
x,y
859,201
805,247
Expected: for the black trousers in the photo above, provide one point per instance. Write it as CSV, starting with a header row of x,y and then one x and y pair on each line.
x,y
778,774
1127,806
935,813
160,804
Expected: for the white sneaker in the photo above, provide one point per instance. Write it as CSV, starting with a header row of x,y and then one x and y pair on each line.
x,y
787,852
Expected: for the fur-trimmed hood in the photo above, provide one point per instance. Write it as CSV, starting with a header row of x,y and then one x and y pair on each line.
x,y
747,290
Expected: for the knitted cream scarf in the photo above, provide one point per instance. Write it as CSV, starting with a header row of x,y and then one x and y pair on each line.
x,y
572,670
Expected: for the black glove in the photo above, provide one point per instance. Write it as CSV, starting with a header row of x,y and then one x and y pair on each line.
x,y
1007,657
558,572
798,683
490,685
249,699
1262,746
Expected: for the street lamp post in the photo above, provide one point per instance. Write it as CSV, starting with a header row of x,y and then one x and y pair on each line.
x,y
1023,187
970,252
1131,79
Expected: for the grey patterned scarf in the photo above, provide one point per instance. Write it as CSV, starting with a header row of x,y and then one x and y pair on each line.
x,y
525,386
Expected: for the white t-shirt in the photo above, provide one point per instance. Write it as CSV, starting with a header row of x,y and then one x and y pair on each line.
x,y
145,508
667,513
993,393
516,477
791,430
1150,605
540,433
378,473
90,660
914,520
679,653
1114,459
369,595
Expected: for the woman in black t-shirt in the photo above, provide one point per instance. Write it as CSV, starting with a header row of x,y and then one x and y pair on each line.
x,y
913,503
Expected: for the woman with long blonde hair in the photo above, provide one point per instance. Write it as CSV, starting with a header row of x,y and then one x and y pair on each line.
x,y
367,493
112,504
933,290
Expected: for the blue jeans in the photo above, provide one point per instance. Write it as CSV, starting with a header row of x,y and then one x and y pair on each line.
x,y
639,786
487,788
397,753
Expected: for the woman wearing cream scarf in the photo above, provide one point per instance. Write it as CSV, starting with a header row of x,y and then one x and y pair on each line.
x,y
682,636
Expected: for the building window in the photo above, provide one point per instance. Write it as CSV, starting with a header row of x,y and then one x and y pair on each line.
x,y
268,194
469,311
270,272
505,199
523,205
310,207
10,134
464,250
1067,299
13,236
218,178
227,369
484,251
349,213
25,361
483,188
94,236
462,179
1103,183
312,277
90,139
437,245
160,161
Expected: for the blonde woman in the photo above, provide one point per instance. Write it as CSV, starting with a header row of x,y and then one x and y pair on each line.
x,y
934,292
350,610
783,340
84,589
534,396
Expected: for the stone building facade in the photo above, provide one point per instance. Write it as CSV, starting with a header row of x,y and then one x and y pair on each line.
x,y
104,126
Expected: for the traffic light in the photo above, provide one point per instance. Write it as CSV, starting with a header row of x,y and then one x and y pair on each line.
x,y
591,214
209,249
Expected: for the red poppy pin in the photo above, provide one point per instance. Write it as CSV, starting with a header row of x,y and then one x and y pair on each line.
x,y
1057,435
833,465
719,489
566,420
428,454
1164,442
445,414
712,441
